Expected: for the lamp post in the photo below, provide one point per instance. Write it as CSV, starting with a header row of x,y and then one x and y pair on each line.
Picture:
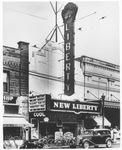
x,y
103,99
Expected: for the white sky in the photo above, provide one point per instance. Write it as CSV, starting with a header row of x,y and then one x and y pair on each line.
x,y
99,38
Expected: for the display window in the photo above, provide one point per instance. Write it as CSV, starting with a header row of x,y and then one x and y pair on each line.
x,y
12,133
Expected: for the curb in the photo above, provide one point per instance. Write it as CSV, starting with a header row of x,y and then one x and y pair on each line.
x,y
55,147
117,142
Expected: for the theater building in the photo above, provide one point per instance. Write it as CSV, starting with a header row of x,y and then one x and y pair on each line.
x,y
95,78
65,77
50,115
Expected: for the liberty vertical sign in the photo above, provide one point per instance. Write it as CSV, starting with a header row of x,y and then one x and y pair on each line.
x,y
68,15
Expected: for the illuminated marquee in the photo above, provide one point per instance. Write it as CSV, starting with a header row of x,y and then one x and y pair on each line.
x,y
68,15
74,106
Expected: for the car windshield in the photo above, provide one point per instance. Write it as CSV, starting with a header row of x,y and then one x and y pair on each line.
x,y
87,132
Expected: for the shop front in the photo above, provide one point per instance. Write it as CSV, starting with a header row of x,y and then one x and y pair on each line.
x,y
112,113
15,130
59,116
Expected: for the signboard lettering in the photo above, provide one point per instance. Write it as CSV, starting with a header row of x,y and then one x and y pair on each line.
x,y
38,114
61,105
74,106
68,15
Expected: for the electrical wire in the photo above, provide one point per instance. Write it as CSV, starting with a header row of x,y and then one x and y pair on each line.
x,y
30,14
86,16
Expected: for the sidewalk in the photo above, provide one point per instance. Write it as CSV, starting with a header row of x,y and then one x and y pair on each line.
x,y
117,142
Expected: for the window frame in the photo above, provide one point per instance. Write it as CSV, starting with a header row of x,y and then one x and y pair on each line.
x,y
8,82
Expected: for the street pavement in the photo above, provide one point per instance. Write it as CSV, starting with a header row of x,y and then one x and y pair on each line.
x,y
115,145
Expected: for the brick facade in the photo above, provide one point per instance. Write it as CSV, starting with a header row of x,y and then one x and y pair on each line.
x,y
16,65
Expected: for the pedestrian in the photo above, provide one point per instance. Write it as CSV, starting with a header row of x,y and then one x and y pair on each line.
x,y
112,136
115,133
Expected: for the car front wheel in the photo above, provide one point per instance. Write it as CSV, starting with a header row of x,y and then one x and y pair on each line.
x,y
109,143
86,145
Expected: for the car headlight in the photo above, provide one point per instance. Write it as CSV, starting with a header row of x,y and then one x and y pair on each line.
x,y
81,139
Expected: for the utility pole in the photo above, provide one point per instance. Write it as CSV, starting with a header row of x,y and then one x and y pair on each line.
x,y
103,112
56,22
55,29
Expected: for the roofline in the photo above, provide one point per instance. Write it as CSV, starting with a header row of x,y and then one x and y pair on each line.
x,y
96,59
10,47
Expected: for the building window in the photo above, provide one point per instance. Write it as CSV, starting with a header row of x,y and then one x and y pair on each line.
x,y
5,82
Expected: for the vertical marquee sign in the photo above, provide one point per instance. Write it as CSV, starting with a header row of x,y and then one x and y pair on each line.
x,y
68,15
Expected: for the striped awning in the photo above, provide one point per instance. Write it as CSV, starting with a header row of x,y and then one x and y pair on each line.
x,y
15,121
112,104
98,120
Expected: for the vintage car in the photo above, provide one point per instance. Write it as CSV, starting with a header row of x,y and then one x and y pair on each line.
x,y
95,137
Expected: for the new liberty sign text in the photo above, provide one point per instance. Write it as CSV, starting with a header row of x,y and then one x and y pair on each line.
x,y
74,106
68,15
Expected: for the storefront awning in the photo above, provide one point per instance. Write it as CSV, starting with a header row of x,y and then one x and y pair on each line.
x,y
98,120
15,121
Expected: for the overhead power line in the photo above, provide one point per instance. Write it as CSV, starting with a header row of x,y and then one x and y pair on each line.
x,y
86,16
81,18
29,14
